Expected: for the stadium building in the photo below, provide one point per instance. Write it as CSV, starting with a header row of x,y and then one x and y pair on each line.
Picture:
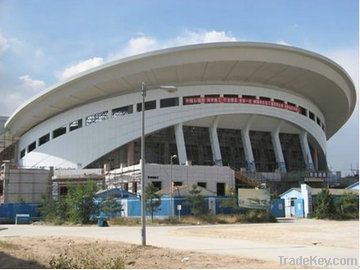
x,y
251,107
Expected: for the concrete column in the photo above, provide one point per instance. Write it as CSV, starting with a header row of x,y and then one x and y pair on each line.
x,y
279,157
306,192
6,173
306,150
249,156
180,144
130,153
316,159
214,140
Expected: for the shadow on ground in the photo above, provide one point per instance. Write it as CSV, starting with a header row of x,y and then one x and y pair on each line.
x,y
10,262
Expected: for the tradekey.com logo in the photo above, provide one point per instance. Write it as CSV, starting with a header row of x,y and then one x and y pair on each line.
x,y
318,261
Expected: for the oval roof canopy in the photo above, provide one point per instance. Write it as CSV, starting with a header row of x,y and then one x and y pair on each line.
x,y
301,72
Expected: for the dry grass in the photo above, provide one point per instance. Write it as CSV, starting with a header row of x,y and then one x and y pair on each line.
x,y
4,245
249,217
75,252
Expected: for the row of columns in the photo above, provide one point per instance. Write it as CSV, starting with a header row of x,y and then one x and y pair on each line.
x,y
245,135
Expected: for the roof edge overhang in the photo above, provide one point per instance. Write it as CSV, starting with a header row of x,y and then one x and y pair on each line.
x,y
32,102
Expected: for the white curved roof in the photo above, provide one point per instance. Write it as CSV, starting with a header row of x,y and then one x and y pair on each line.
x,y
302,72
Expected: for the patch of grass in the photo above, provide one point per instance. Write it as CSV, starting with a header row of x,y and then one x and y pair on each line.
x,y
6,245
200,220
93,258
256,216
124,221
251,216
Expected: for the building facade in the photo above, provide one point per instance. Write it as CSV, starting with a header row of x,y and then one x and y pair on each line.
x,y
250,106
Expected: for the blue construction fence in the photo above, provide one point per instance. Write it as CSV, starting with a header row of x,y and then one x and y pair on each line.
x,y
8,211
131,207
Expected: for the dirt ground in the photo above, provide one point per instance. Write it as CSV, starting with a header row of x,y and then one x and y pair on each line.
x,y
37,252
204,246
308,232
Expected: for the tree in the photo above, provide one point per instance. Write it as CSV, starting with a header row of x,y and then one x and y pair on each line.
x,y
153,200
111,206
80,202
76,206
348,206
324,205
195,201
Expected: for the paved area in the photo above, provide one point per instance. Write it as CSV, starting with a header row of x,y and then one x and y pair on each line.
x,y
212,238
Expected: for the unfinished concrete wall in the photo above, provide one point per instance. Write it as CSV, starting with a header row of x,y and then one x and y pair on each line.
x,y
24,185
181,176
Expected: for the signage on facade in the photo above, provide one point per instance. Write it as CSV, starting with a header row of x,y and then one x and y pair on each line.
x,y
270,103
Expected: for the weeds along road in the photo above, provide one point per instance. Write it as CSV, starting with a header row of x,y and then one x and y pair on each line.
x,y
326,239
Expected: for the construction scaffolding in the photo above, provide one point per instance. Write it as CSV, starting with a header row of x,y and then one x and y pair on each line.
x,y
7,148
23,185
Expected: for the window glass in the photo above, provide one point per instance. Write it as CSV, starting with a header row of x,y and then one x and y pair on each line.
x,y
169,102
312,115
249,96
318,121
122,111
149,105
58,132
202,184
212,95
44,139
231,96
157,184
302,110
22,153
31,147
75,124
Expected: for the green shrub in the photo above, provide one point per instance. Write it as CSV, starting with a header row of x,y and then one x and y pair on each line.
x,y
152,199
344,207
76,207
348,206
195,201
324,207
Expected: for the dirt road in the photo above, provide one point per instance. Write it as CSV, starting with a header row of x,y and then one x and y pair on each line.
x,y
306,238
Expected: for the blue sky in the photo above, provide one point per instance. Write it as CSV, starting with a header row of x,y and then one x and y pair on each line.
x,y
42,42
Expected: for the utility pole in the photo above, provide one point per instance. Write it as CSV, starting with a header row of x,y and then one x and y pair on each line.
x,y
143,220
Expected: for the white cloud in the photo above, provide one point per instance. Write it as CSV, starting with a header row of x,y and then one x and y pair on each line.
x,y
193,37
80,67
142,44
282,42
4,44
32,85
